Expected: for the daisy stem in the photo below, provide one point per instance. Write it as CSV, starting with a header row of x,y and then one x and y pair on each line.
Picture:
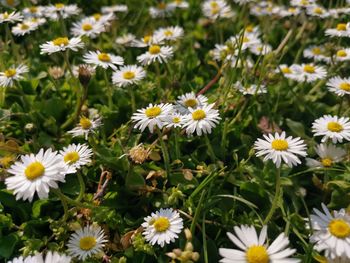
x,y
12,41
66,60
210,149
2,96
164,151
82,187
110,90
132,97
276,198
340,105
62,197
176,138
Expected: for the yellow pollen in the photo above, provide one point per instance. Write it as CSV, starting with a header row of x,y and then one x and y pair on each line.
x,y
61,41
341,27
198,115
5,15
147,38
341,53
304,2
34,170
246,39
153,112
33,9
10,2
24,26
345,86
162,6
128,75
334,126
87,27
318,10
316,51
97,16
326,162
10,72
104,57
257,254
191,103
279,145
249,28
155,49
71,157
339,228
87,243
176,120
85,123
59,5
161,224
214,5
309,69
292,10
286,70
168,33
214,8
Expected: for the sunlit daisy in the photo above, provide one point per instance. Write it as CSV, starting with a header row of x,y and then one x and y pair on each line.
x,y
162,227
260,49
86,242
190,100
174,120
147,41
215,9
51,257
156,53
250,89
87,27
179,4
161,10
342,54
329,155
38,21
291,11
104,19
36,174
169,33
280,148
60,10
332,127
33,11
341,30
317,11
10,17
61,44
104,60
201,120
85,127
128,75
255,249
338,85
24,28
310,72
331,232
152,116
125,40
245,41
290,72
12,74
318,53
76,155
114,8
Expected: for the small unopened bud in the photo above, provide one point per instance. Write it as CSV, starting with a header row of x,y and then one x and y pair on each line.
x,y
29,127
171,255
139,154
84,75
188,234
56,72
177,252
195,256
189,246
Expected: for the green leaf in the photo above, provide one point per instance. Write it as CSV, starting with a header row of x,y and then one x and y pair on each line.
x,y
7,245
296,127
37,206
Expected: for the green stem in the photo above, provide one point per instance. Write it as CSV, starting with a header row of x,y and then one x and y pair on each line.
x,y
176,139
164,151
210,149
63,199
82,187
69,67
71,201
12,41
132,97
110,90
2,96
197,212
276,198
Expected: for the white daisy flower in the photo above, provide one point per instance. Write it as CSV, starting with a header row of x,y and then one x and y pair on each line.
x,y
310,72
51,257
33,11
58,10
86,242
10,17
12,74
125,40
246,41
162,227
87,27
215,9
161,10
61,44
317,11
278,148
343,54
291,11
85,127
338,85
179,4
24,28
220,52
303,3
329,154
289,72
254,248
260,49
250,89
128,75
76,155
152,116
169,33
104,19
156,53
201,120
104,60
342,30
38,21
318,53
331,232
10,3
36,173
190,100
147,41
332,127
174,120
114,9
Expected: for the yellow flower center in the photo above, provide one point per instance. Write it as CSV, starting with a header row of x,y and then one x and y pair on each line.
x,y
10,72
5,15
162,5
249,28
341,27
87,243
279,145
34,170
198,115
339,228
85,123
345,86
153,112
155,49
24,26
128,75
304,2
292,10
61,41
341,53
59,5
309,69
334,126
33,9
321,259
245,40
97,16
168,33
87,27
257,254
10,2
214,8
286,70
318,10
326,162
316,51
71,157
191,103
147,38
161,224
104,57
176,120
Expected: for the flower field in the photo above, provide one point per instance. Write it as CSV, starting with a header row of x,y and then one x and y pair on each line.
x,y
175,131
